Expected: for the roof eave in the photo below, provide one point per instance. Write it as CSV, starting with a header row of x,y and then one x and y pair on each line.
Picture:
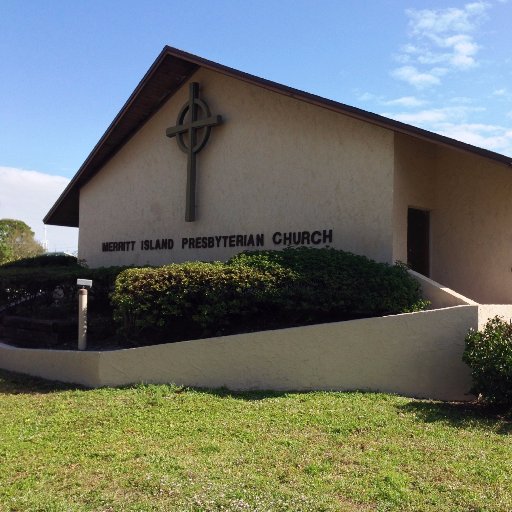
x,y
54,217
65,211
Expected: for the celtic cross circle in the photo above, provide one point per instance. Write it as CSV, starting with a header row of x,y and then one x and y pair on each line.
x,y
189,122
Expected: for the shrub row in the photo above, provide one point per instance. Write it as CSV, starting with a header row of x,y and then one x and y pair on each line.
x,y
45,260
192,299
31,286
330,281
260,290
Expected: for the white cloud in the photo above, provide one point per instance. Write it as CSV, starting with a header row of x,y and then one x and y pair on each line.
x,y
406,101
413,76
452,122
366,96
27,196
463,50
493,137
435,115
419,118
461,100
426,22
443,41
503,94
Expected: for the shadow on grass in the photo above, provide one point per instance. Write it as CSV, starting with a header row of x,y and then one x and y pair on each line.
x,y
463,415
12,383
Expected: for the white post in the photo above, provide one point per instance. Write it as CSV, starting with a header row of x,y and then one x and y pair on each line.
x,y
82,318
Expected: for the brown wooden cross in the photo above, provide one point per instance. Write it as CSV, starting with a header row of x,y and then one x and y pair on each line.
x,y
188,129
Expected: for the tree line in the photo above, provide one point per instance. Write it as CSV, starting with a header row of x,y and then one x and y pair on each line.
x,y
17,241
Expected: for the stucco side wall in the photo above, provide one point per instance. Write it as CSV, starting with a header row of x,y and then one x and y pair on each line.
x,y
487,311
470,216
276,164
438,295
413,354
417,354
60,365
414,186
471,227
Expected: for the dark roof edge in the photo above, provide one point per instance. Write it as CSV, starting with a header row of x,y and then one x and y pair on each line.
x,y
108,131
314,99
355,112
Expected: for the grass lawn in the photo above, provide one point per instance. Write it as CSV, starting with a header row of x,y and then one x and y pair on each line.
x,y
167,448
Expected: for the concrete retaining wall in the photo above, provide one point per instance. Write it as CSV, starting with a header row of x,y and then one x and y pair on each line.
x,y
416,354
440,296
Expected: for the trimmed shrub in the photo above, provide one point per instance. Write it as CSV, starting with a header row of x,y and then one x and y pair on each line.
x,y
489,355
193,298
260,290
45,260
333,283
28,289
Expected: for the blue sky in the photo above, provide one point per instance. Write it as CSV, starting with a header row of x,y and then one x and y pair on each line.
x,y
68,67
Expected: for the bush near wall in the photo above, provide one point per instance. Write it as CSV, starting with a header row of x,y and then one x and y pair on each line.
x,y
27,286
193,299
259,290
334,282
45,260
489,355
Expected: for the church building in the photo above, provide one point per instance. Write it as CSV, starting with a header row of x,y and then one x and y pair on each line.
x,y
205,161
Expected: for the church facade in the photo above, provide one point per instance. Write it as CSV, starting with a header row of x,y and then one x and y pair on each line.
x,y
205,161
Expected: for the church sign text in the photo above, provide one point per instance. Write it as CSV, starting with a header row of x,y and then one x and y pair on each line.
x,y
251,240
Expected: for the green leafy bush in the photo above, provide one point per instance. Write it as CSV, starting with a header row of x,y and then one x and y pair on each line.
x,y
27,288
45,260
330,282
489,355
260,290
193,298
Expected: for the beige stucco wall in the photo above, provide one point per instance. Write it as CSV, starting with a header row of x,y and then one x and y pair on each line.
x,y
276,164
279,164
438,295
417,354
470,217
59,365
414,186
472,227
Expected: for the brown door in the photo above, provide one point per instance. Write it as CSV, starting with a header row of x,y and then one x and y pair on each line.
x,y
418,240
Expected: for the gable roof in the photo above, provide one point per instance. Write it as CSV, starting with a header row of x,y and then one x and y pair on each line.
x,y
170,70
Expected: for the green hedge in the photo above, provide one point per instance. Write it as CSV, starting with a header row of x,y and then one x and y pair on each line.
x,y
45,260
489,355
252,291
333,282
31,287
194,298
260,290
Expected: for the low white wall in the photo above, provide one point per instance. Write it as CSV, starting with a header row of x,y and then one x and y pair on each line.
x,y
486,311
60,365
416,354
440,296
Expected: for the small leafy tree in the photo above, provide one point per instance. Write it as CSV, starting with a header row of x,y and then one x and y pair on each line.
x,y
489,355
17,241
